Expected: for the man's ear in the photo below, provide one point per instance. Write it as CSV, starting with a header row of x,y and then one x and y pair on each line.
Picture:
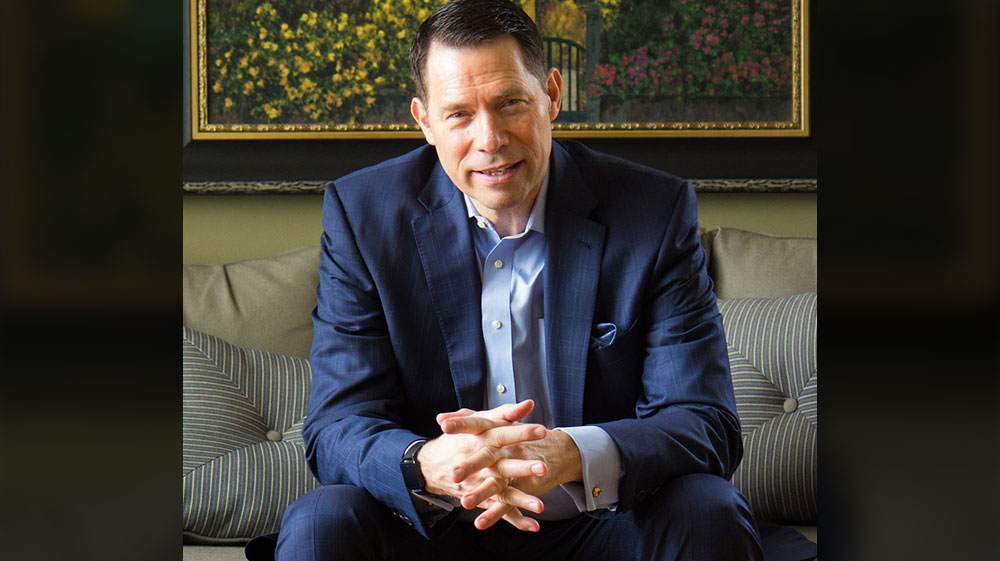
x,y
553,86
419,113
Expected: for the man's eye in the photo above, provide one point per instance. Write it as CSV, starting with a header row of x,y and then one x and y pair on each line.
x,y
457,115
513,102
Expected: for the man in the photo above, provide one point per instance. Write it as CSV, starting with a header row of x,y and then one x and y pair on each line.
x,y
517,350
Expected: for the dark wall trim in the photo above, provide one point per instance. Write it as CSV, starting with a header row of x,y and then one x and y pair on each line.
x,y
316,187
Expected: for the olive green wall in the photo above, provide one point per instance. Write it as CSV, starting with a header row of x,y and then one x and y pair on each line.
x,y
223,228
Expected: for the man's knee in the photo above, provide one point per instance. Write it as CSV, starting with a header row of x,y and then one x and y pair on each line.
x,y
705,515
325,523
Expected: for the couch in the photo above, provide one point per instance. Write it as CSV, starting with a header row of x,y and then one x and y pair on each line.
x,y
246,337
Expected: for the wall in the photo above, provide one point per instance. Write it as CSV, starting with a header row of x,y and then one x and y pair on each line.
x,y
218,229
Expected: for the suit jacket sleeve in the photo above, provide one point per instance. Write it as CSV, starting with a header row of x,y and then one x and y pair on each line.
x,y
354,427
686,420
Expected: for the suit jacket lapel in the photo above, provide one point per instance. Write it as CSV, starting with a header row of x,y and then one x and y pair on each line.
x,y
449,263
574,248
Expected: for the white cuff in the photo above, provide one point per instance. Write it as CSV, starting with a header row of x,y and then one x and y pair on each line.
x,y
601,469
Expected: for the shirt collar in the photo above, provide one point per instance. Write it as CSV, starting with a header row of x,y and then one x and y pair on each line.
x,y
536,220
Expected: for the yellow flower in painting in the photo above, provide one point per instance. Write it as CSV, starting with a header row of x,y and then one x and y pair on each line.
x,y
272,113
338,45
401,34
341,26
217,87
263,33
308,84
224,71
370,45
311,46
228,54
228,103
357,89
248,88
260,83
347,93
218,62
244,62
368,88
273,12
381,34
288,34
422,14
284,27
329,26
304,18
330,57
380,81
288,48
254,71
250,42
370,101
271,62
340,102
254,55
295,46
337,78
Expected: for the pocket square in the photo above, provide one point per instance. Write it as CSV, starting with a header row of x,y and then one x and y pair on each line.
x,y
602,335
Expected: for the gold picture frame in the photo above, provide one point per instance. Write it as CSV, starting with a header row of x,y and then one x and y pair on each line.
x,y
205,125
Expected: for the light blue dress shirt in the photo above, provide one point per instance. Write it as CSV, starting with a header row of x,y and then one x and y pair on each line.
x,y
512,272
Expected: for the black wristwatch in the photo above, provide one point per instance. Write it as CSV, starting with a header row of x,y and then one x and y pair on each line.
x,y
411,467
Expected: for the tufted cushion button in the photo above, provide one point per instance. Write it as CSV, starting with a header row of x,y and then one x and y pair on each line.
x,y
790,405
273,435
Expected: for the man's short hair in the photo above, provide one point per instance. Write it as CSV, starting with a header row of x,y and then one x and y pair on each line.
x,y
469,23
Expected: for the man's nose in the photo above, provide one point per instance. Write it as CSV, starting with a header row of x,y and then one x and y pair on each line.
x,y
490,132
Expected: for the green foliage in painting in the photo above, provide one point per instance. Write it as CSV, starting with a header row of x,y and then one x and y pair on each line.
x,y
720,48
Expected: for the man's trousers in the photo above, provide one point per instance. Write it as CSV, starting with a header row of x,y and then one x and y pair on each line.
x,y
694,517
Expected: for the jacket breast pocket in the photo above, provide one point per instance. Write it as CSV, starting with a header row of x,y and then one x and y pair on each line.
x,y
614,376
610,344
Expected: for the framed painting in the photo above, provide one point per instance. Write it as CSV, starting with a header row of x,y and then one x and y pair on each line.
x,y
631,68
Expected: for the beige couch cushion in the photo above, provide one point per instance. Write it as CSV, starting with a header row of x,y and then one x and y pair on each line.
x,y
258,303
750,265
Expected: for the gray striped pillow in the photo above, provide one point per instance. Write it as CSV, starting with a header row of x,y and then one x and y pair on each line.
x,y
772,355
244,460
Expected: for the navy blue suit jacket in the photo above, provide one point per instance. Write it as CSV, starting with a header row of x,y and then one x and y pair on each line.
x,y
398,337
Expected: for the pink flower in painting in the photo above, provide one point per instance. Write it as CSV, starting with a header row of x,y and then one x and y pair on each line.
x,y
745,19
712,39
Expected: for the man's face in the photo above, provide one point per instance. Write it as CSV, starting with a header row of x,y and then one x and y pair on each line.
x,y
490,120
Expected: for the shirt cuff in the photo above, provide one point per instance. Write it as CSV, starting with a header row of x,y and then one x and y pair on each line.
x,y
601,469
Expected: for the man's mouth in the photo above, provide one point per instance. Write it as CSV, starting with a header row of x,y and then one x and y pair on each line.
x,y
499,171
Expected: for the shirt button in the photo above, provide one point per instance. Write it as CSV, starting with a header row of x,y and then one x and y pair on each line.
x,y
501,388
597,492
497,324
498,264
480,223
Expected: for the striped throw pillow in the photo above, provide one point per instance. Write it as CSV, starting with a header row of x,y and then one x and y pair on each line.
x,y
244,460
772,355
